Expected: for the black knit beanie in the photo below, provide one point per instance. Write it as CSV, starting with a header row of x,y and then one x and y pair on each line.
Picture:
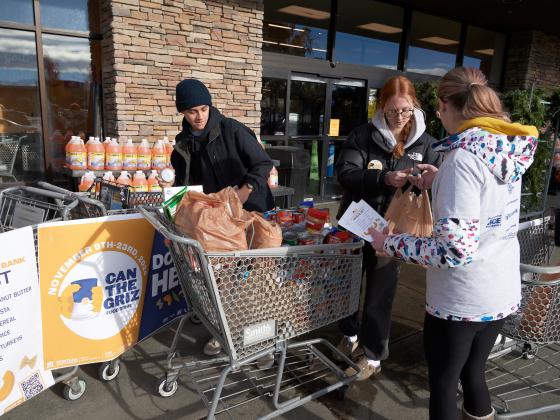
x,y
191,93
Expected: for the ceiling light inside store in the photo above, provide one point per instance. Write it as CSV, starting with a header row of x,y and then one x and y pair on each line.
x,y
289,45
286,27
378,27
439,41
488,51
305,12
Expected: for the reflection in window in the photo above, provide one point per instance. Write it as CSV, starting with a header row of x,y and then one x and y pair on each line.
x,y
296,30
369,34
434,44
73,81
485,50
72,15
18,11
21,156
348,105
273,107
307,107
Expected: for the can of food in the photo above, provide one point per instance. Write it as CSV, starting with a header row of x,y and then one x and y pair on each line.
x,y
303,209
167,175
326,210
290,225
290,238
306,240
318,238
284,216
301,230
333,239
285,229
298,218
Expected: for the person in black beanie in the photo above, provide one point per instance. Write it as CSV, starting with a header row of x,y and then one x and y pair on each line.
x,y
217,152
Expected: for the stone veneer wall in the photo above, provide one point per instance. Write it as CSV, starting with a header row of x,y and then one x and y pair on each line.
x,y
533,56
150,46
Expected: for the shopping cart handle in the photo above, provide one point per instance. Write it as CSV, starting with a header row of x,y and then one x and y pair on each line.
x,y
86,200
45,193
146,210
527,268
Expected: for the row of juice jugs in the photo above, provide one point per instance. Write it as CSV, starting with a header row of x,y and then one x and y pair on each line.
x,y
139,182
111,156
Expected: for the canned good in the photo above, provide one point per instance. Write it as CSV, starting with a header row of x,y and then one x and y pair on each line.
x,y
298,218
333,239
300,230
290,225
318,239
303,209
290,238
167,175
306,240
285,229
270,216
284,216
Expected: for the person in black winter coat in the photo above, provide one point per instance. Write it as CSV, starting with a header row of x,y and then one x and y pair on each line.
x,y
375,160
218,152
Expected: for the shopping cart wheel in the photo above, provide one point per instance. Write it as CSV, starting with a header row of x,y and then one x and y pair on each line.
x,y
164,391
342,392
530,351
195,319
105,373
69,393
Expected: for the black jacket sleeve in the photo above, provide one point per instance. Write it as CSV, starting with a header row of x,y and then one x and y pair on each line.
x,y
253,156
178,164
351,169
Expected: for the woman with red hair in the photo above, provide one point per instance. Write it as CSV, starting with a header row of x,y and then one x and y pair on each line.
x,y
375,160
473,278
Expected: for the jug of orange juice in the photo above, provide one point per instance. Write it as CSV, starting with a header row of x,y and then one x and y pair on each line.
x,y
144,155
153,184
95,155
76,154
113,157
159,156
139,182
129,156
124,179
87,181
169,149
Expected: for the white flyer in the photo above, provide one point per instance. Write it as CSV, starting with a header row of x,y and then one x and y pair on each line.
x,y
359,217
21,333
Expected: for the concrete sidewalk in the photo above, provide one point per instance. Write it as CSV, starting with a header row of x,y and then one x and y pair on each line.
x,y
400,391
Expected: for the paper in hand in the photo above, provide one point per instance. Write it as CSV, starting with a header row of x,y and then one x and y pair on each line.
x,y
359,217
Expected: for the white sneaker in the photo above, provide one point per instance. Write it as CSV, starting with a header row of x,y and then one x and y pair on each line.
x,y
266,361
212,348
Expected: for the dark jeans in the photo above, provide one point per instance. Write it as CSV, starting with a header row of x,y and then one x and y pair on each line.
x,y
382,276
458,350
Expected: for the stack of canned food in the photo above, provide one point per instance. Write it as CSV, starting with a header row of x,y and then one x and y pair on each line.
x,y
308,225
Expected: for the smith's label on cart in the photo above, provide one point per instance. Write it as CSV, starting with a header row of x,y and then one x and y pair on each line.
x,y
93,277
21,348
259,332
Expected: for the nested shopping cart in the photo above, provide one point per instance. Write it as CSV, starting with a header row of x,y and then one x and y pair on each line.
x,y
523,370
253,302
28,206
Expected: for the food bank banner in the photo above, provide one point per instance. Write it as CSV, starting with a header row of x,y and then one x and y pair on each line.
x,y
164,300
93,276
21,349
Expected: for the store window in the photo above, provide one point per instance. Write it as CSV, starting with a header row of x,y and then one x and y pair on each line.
x,y
296,29
273,107
71,77
17,11
434,44
485,50
21,151
73,81
369,34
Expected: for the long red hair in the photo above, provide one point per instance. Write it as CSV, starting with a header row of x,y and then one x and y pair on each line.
x,y
398,86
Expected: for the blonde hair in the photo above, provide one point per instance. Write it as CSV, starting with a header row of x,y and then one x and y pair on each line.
x,y
466,89
398,86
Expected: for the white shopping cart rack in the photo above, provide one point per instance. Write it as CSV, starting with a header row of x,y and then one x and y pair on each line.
x,y
254,302
523,370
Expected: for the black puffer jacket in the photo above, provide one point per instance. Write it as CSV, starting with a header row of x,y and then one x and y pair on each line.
x,y
235,158
365,148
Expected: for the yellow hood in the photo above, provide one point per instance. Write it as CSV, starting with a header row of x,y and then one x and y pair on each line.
x,y
495,126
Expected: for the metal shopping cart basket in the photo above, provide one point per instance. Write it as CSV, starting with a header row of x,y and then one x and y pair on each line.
x,y
28,206
523,370
253,302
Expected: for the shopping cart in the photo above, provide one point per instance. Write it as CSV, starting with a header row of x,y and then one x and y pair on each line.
x,y
87,207
28,206
523,369
253,302
8,153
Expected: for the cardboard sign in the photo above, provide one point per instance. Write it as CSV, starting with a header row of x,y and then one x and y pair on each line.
x,y
93,275
21,358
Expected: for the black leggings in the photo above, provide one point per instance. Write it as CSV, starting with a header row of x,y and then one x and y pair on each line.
x,y
458,350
